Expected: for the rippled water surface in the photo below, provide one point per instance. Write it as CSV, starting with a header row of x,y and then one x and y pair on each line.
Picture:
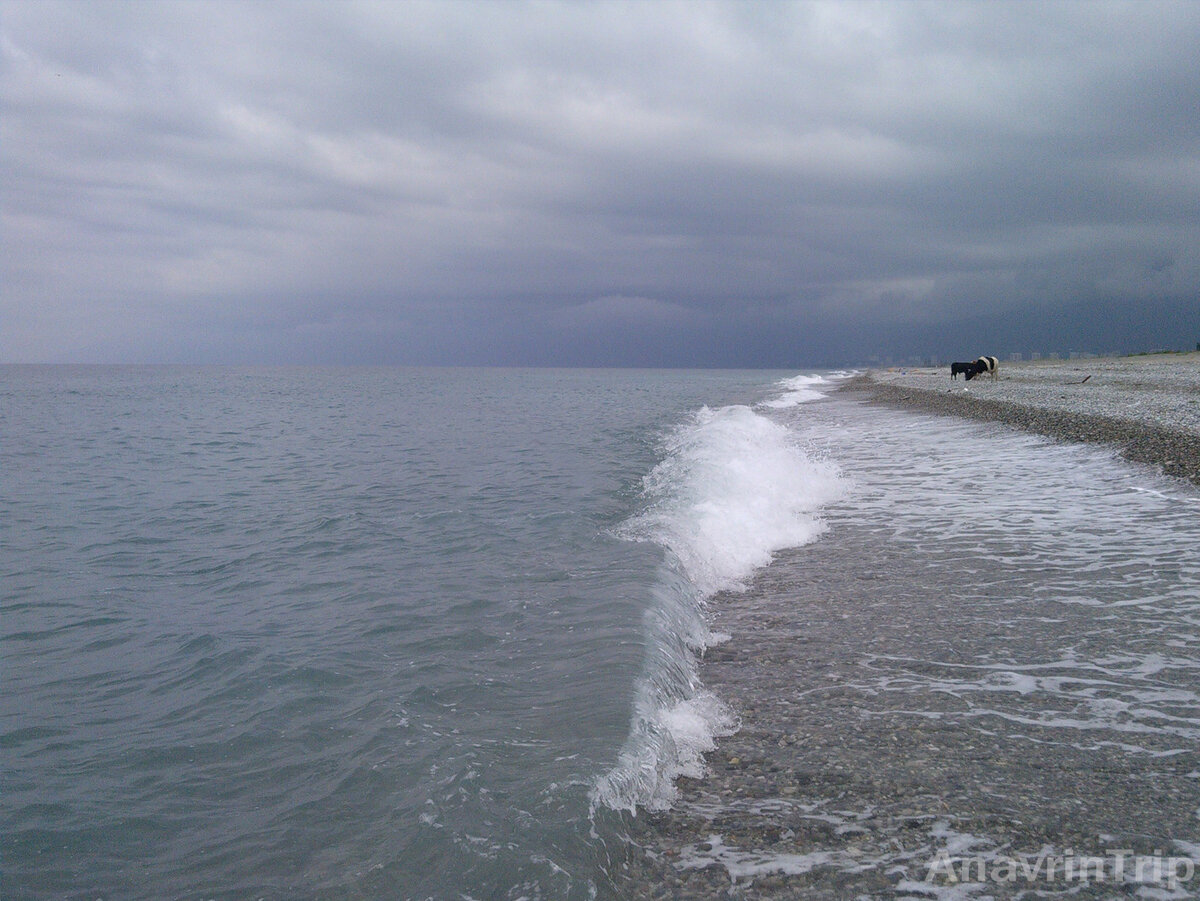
x,y
367,633
438,633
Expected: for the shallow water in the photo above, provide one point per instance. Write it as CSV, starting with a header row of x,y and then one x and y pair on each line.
x,y
990,658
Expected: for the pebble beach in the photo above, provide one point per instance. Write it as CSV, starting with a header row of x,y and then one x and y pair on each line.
x,y
1148,406
901,701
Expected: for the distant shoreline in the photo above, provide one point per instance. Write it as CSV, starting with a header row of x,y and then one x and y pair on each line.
x,y
1147,406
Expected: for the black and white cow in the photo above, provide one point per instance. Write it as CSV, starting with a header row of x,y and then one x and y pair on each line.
x,y
982,365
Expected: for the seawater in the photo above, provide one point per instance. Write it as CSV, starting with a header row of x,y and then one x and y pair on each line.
x,y
434,633
367,632
986,671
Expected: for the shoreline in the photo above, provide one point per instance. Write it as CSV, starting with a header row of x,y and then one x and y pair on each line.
x,y
1147,407
880,723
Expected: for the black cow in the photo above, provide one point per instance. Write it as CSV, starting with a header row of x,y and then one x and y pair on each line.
x,y
956,368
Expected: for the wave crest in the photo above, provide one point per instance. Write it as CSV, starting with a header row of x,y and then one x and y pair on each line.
x,y
733,488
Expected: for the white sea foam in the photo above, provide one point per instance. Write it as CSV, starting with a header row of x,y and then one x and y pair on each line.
x,y
799,389
733,488
747,864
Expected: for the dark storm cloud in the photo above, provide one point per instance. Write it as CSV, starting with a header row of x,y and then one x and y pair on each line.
x,y
601,183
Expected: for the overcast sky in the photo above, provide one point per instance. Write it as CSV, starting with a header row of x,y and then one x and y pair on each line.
x,y
649,183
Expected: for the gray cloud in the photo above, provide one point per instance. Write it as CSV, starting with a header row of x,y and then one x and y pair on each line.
x,y
773,184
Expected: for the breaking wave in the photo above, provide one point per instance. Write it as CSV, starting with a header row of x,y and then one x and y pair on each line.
x,y
734,487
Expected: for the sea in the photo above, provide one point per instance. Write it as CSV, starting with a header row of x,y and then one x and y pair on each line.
x,y
373,633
